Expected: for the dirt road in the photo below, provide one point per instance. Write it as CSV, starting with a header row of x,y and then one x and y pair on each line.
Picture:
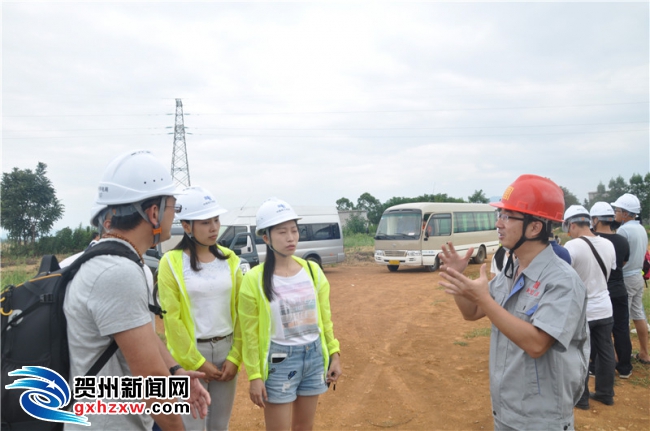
x,y
412,363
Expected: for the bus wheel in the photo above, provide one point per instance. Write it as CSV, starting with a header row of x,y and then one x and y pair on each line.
x,y
480,255
433,267
393,268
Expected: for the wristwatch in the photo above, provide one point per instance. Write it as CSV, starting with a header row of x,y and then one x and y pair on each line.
x,y
173,369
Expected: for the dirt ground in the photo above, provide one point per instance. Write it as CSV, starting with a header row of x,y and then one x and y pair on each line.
x,y
410,362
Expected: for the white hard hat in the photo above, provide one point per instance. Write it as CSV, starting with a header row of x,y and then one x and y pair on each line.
x,y
575,213
133,177
273,212
629,203
197,204
602,210
95,211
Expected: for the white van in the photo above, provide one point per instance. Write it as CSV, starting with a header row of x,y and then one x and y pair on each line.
x,y
321,235
412,234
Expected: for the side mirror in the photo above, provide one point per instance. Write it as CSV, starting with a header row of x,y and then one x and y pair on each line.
x,y
237,251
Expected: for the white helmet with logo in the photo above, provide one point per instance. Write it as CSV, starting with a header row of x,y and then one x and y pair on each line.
x,y
629,203
197,204
273,212
602,210
134,177
575,213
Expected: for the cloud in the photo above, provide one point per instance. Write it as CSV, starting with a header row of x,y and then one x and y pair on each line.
x,y
311,102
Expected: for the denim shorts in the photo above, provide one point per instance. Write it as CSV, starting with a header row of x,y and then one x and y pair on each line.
x,y
295,371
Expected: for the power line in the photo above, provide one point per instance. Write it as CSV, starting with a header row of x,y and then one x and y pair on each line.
x,y
334,128
343,112
331,137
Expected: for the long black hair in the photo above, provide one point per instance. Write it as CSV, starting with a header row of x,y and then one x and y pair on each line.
x,y
188,243
269,268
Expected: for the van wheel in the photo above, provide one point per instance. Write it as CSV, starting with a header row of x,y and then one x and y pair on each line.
x,y
433,267
480,255
393,268
314,259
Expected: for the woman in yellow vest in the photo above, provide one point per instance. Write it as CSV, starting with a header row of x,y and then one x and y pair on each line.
x,y
198,284
290,352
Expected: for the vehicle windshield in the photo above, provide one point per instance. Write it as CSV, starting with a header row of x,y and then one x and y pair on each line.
x,y
400,225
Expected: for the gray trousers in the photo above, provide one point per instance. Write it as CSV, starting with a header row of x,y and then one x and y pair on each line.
x,y
221,393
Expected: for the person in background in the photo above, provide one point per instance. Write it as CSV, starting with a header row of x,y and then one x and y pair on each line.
x,y
626,209
594,258
602,217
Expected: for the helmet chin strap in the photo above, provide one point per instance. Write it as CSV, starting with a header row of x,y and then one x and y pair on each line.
x,y
157,228
510,265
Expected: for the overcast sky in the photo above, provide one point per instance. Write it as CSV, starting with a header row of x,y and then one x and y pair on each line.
x,y
311,102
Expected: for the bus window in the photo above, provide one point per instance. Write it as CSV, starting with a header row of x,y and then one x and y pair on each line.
x,y
400,225
439,225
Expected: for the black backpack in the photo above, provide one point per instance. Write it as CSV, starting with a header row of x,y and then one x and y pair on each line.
x,y
39,336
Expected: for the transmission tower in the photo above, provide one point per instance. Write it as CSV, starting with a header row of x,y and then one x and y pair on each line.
x,y
180,166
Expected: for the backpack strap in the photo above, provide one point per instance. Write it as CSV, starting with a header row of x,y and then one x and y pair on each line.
x,y
49,263
103,359
600,261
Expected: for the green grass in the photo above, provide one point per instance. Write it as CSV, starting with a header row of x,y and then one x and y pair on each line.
x,y
15,275
480,332
460,343
358,240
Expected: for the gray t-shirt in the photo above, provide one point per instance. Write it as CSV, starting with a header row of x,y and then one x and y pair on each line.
x,y
109,294
540,393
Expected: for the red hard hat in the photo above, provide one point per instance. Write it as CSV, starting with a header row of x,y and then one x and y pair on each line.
x,y
534,195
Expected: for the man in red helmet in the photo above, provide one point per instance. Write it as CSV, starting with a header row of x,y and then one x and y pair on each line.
x,y
539,345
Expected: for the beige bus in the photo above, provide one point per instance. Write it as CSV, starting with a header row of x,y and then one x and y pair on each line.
x,y
412,234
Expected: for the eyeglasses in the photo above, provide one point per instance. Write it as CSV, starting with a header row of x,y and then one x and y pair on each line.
x,y
506,217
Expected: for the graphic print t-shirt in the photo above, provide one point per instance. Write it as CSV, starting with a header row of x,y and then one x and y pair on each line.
x,y
293,310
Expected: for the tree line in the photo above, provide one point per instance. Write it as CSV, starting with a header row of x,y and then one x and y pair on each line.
x,y
30,208
638,185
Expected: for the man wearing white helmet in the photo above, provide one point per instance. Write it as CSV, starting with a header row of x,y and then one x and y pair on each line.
x,y
602,217
109,298
593,258
626,209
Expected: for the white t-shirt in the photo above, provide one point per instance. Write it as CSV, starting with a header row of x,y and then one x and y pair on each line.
x,y
599,305
294,318
209,290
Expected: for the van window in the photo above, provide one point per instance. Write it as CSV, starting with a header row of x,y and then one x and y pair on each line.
x,y
304,233
258,239
323,231
229,235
